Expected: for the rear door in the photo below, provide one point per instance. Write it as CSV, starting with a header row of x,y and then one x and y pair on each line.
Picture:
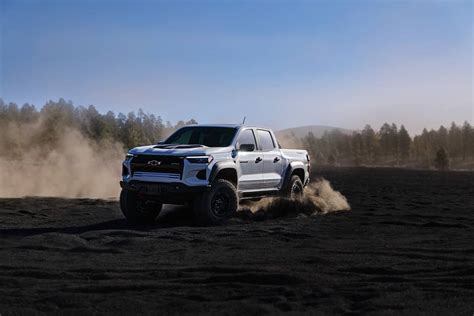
x,y
250,162
272,159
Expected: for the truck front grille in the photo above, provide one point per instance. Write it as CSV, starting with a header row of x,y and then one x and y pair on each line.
x,y
157,164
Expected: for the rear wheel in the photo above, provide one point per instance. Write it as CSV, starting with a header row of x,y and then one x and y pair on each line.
x,y
295,188
137,209
217,205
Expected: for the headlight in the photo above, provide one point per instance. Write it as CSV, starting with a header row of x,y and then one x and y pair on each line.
x,y
129,156
200,159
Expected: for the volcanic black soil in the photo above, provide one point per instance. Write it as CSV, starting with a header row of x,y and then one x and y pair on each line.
x,y
407,246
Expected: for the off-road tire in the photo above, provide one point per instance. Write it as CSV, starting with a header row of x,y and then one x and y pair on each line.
x,y
217,205
137,210
295,188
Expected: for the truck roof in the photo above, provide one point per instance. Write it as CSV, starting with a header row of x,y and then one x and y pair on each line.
x,y
215,125
227,125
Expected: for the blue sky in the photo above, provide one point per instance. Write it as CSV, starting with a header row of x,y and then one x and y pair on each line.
x,y
280,63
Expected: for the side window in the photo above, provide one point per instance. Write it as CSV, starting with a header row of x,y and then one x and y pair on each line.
x,y
247,137
266,140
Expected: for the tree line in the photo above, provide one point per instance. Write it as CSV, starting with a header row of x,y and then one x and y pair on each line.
x,y
393,146
390,145
49,122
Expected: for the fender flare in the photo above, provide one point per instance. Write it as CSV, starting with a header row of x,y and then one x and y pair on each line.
x,y
292,167
222,165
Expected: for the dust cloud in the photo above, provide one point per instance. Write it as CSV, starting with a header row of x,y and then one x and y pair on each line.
x,y
289,141
319,198
325,198
71,166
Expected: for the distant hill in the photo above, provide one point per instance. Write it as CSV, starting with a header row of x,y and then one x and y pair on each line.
x,y
318,131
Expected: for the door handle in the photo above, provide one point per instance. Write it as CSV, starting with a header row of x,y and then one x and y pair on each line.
x,y
258,159
277,159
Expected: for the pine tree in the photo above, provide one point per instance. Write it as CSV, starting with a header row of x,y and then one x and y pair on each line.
x,y
443,137
357,148
394,145
455,140
385,140
404,142
467,143
441,161
332,160
370,143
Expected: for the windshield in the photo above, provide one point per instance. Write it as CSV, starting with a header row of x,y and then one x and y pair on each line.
x,y
201,135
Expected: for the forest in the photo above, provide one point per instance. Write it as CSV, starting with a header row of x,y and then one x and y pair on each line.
x,y
392,146
50,122
443,148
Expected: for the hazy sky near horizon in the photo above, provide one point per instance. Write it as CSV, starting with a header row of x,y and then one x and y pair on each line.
x,y
280,63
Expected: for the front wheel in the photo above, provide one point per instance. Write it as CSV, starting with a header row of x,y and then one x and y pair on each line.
x,y
217,205
137,209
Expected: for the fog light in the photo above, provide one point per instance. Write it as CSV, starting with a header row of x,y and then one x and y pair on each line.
x,y
201,174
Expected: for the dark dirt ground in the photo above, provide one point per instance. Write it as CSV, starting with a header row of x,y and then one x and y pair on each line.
x,y
407,246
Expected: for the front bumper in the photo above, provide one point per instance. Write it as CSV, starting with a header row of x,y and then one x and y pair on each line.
x,y
170,193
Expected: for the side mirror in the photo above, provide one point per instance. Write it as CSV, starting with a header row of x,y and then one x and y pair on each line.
x,y
246,147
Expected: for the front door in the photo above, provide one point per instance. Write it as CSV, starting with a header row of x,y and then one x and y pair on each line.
x,y
250,162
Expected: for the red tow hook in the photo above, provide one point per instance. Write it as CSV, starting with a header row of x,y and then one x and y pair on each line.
x,y
141,193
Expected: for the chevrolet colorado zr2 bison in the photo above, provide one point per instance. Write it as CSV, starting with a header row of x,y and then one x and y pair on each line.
x,y
211,167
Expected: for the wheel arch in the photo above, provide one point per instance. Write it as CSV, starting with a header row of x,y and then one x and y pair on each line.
x,y
298,172
291,170
226,171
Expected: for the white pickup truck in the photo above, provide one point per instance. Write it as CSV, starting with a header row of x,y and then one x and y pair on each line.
x,y
212,167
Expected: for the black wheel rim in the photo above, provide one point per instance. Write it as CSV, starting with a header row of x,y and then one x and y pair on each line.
x,y
144,206
296,190
220,203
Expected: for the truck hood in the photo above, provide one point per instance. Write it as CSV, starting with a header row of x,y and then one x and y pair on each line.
x,y
179,150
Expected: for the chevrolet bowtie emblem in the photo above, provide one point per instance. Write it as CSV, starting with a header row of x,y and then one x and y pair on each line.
x,y
154,163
